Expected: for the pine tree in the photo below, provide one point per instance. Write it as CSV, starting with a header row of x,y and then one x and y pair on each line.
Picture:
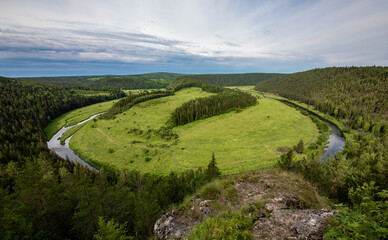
x,y
212,170
300,147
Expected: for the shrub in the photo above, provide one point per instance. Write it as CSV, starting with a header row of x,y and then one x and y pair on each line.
x,y
228,226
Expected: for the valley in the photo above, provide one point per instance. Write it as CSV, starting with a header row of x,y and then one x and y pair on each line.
x,y
241,141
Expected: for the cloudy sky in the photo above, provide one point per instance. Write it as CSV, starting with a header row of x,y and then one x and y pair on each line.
x,y
86,37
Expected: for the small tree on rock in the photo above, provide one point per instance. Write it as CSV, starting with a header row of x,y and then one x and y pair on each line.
x,y
212,170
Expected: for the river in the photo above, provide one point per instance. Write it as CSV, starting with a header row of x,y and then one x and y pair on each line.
x,y
336,140
64,150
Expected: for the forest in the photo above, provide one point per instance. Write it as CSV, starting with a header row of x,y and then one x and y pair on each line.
x,y
44,197
243,79
211,106
358,176
356,95
110,82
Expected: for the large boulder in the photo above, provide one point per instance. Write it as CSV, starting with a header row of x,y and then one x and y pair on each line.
x,y
167,227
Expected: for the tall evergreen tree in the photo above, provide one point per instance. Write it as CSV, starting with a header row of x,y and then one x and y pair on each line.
x,y
212,170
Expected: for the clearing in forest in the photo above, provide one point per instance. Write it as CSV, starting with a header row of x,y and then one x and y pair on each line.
x,y
241,140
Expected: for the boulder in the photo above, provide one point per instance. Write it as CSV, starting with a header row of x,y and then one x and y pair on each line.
x,y
167,227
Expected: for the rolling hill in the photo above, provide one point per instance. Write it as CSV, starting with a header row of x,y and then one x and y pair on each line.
x,y
357,95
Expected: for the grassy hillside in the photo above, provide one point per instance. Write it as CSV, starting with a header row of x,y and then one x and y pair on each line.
x,y
357,95
245,140
244,79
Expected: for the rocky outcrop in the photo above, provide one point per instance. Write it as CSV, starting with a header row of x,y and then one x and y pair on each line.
x,y
286,223
282,214
167,227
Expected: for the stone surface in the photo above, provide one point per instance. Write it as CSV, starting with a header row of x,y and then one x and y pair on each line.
x,y
166,227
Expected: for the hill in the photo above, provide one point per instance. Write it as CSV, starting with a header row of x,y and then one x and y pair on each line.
x,y
109,82
357,95
243,79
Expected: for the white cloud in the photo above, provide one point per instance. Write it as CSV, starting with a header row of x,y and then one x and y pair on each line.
x,y
337,32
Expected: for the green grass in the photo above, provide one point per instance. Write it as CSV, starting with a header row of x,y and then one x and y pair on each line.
x,y
76,116
241,141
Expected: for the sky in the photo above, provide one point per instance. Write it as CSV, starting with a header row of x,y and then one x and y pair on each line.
x,y
97,37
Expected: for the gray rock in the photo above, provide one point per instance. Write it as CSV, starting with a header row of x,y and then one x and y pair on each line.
x,y
204,207
312,224
167,228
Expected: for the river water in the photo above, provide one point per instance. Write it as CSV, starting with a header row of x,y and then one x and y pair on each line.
x,y
336,140
64,150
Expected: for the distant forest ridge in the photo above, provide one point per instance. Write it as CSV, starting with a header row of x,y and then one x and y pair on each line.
x,y
355,94
236,79
151,80
110,82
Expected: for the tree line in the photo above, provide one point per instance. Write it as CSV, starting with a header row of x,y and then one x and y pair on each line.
x,y
211,106
133,99
110,82
243,79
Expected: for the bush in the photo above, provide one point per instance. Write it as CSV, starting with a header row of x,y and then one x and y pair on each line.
x,y
229,226
367,219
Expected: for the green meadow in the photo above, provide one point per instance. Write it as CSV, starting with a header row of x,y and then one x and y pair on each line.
x,y
241,140
76,116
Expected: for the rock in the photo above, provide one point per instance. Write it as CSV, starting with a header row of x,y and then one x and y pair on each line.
x,y
204,208
167,228
274,206
290,200
311,225
293,224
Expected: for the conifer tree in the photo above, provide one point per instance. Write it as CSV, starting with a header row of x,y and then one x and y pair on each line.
x,y
212,170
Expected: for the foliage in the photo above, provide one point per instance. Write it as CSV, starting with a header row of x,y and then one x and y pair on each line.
x,y
26,108
211,106
285,161
44,197
133,99
225,226
366,219
355,95
110,82
212,170
299,148
109,230
245,79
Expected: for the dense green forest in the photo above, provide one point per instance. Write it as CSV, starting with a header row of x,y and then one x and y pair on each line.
x,y
211,106
242,79
26,108
110,82
224,101
44,197
357,176
356,95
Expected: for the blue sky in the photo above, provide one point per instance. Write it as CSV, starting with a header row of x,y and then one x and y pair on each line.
x,y
90,37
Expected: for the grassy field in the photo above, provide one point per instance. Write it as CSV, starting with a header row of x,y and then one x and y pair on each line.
x,y
241,141
76,116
